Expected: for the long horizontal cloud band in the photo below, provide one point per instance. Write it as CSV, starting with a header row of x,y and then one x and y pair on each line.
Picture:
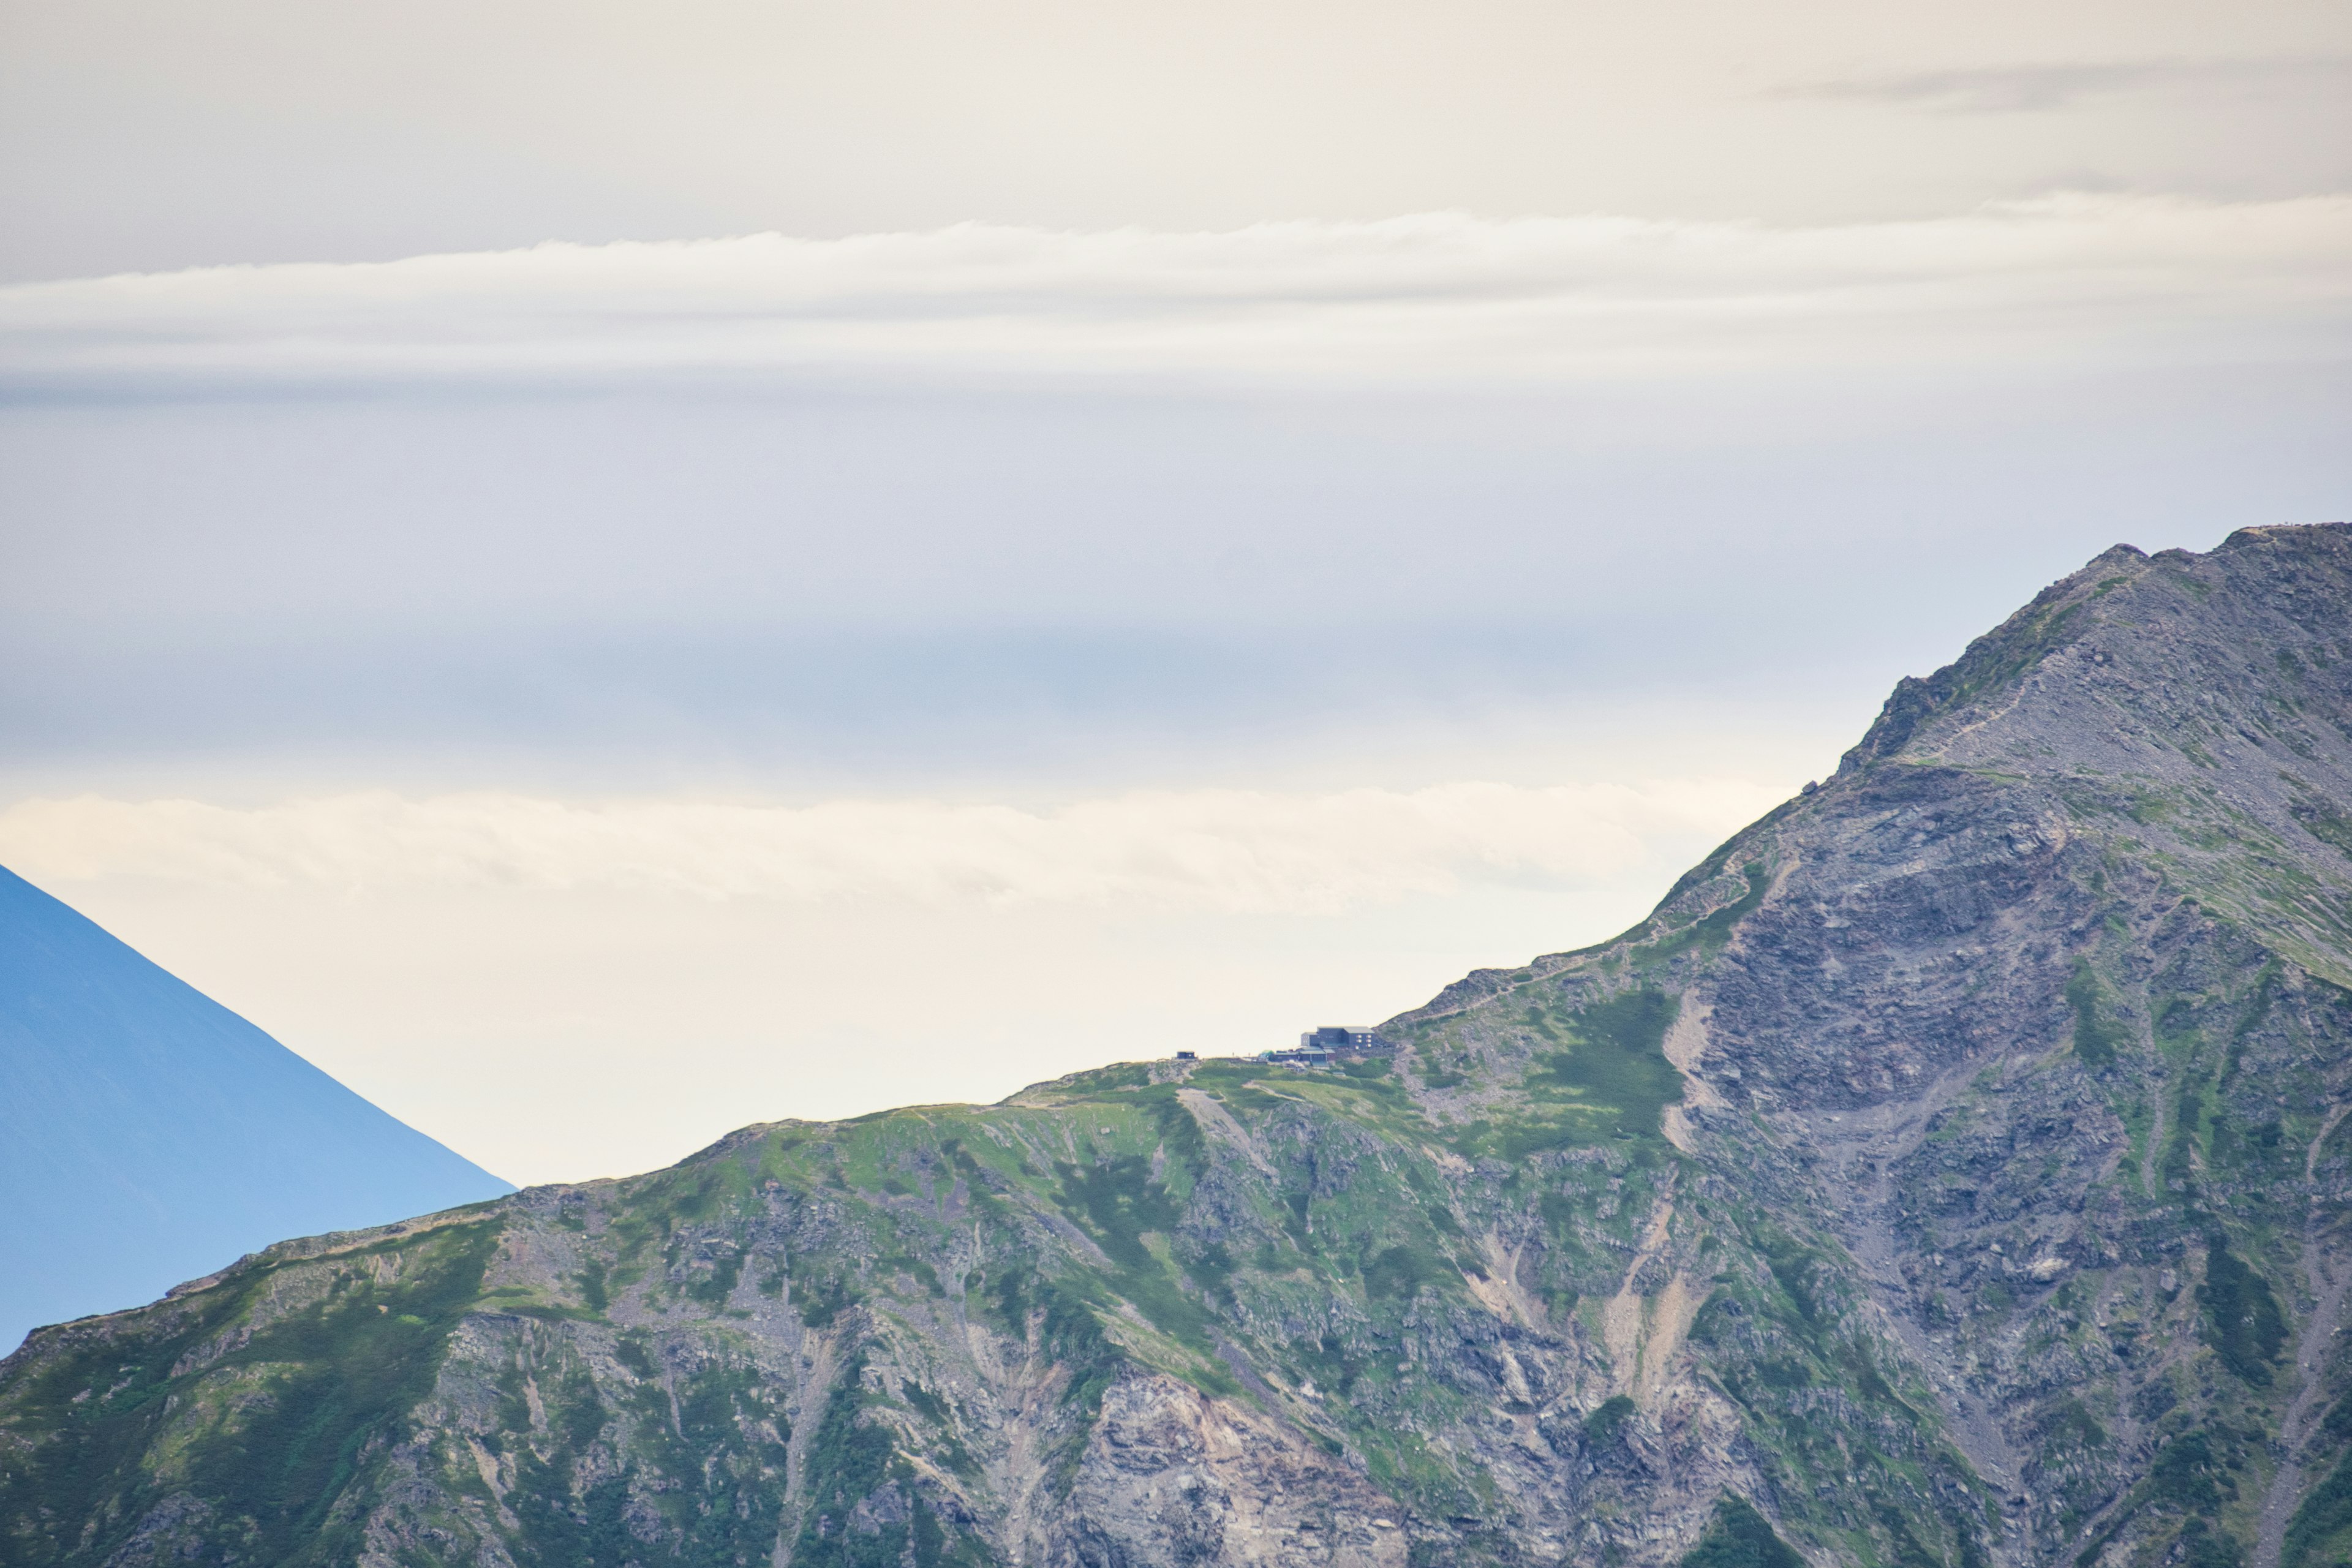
x,y
1430,298
1224,849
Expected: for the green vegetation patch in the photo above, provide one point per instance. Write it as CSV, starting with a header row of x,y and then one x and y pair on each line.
x,y
2243,1319
337,1381
1622,1061
2097,1036
1117,1201
1739,1537
1611,1080
1607,1420
2191,1472
2176,1169
2200,1546
594,1291
1401,1272
712,1289
1797,1269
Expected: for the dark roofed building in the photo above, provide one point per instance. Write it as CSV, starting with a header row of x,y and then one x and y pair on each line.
x,y
1334,1037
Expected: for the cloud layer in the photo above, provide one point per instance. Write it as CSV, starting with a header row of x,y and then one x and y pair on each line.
x,y
1428,299
1231,850
2039,88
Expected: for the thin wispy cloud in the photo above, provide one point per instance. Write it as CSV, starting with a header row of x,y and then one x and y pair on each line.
x,y
1429,299
1233,850
2030,89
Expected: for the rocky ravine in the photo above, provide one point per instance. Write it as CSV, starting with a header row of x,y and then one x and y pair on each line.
x,y
1951,1171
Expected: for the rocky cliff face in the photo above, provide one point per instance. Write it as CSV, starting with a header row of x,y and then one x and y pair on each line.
x,y
1952,1172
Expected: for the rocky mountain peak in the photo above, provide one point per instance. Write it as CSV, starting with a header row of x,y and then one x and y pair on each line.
x,y
2154,640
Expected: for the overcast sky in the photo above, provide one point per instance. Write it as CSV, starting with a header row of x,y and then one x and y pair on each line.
x,y
607,571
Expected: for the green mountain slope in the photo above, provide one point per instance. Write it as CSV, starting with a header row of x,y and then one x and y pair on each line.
x,y
1951,1171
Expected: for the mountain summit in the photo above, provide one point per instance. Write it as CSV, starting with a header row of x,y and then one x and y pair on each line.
x,y
1950,1172
148,1134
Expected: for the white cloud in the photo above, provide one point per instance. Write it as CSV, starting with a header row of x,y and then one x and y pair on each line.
x,y
1435,298
1231,850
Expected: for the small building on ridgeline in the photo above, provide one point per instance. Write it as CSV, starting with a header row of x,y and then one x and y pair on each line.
x,y
1320,1047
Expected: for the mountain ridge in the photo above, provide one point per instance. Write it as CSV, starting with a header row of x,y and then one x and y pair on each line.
x,y
1949,1172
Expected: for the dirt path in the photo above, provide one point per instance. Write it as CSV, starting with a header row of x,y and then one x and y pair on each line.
x,y
2327,1287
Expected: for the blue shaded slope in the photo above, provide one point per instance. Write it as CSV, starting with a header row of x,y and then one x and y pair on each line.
x,y
149,1135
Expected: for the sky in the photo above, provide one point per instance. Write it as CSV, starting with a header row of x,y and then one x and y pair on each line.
x,y
607,571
